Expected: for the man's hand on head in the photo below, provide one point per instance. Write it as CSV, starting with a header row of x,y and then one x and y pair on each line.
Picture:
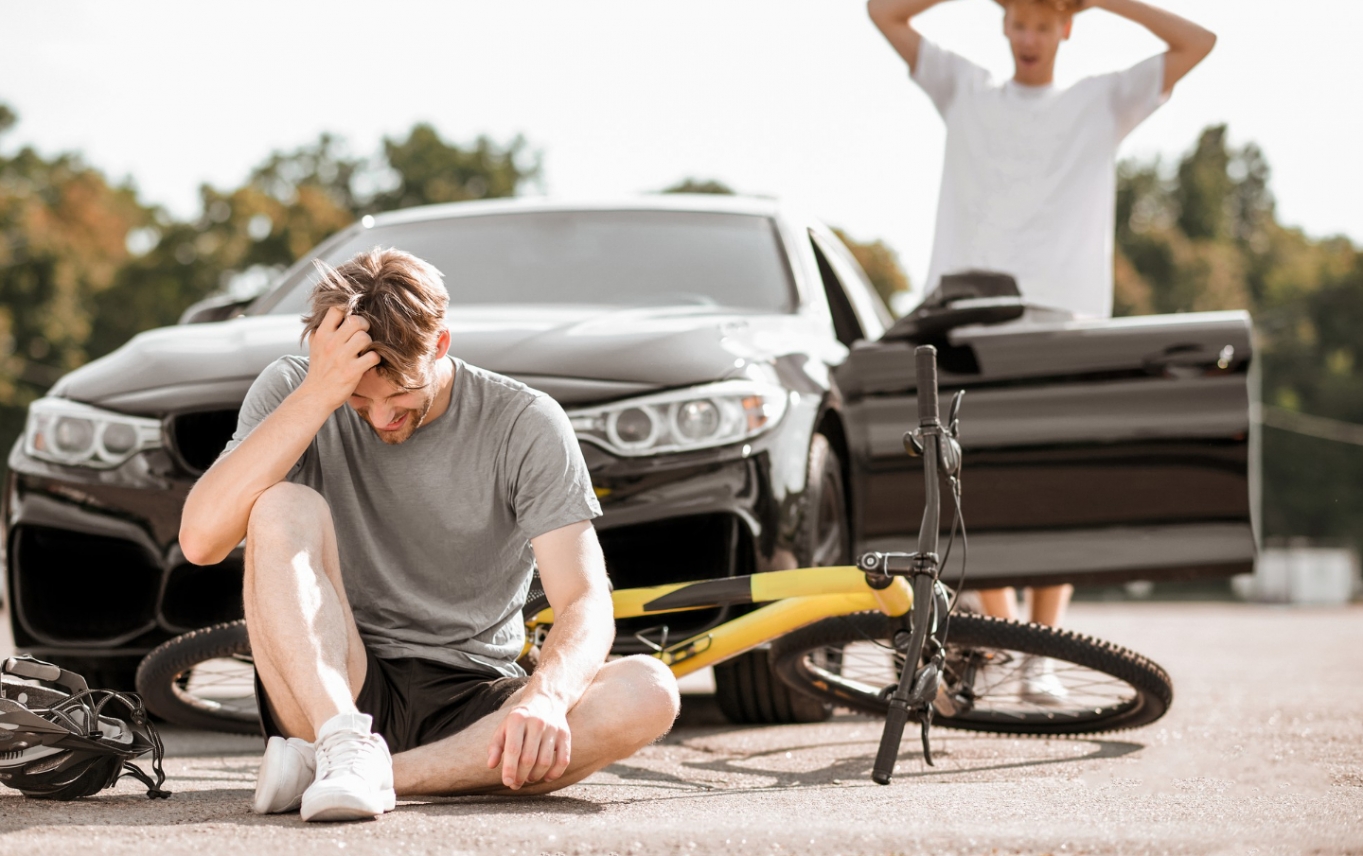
x,y
533,743
338,356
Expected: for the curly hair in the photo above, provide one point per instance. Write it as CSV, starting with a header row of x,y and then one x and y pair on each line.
x,y
402,298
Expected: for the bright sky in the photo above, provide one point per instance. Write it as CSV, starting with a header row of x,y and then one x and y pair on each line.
x,y
793,98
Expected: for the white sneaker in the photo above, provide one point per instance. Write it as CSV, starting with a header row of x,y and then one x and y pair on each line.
x,y
1039,682
354,772
285,772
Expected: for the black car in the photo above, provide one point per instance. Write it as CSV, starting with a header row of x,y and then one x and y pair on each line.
x,y
740,393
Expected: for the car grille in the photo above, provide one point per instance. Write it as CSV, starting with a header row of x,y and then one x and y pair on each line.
x,y
198,596
682,549
200,437
74,587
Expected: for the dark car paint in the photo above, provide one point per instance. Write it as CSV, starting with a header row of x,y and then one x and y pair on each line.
x,y
1113,450
1117,447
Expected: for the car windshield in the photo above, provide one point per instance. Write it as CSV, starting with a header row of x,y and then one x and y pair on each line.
x,y
611,258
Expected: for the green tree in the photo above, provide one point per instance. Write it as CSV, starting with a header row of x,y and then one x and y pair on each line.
x,y
881,264
428,170
1206,236
289,203
63,242
700,185
85,265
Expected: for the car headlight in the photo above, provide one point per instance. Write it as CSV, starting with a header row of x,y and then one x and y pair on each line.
x,y
697,418
68,432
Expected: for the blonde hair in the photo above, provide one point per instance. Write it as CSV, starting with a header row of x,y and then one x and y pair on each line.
x,y
402,298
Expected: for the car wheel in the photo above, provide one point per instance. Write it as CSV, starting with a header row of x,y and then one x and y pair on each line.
x,y
746,687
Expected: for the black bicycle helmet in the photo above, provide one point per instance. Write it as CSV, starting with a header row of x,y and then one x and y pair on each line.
x,y
59,743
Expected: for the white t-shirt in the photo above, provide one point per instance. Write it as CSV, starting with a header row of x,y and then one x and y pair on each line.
x,y
1029,182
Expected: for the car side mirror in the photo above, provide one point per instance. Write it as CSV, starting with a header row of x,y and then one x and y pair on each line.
x,y
211,309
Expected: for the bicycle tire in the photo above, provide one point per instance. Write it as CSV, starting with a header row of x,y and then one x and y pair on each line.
x,y
1146,690
748,693
203,679
161,676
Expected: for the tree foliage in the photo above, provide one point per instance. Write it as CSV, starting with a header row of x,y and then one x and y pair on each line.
x,y
429,170
85,264
700,185
1205,235
63,242
882,267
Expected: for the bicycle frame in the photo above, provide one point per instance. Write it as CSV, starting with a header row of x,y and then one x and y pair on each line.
x,y
894,583
793,599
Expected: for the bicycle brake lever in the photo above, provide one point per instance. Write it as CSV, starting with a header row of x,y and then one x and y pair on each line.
x,y
913,443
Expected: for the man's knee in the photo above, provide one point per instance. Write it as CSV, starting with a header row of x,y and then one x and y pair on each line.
x,y
287,507
652,692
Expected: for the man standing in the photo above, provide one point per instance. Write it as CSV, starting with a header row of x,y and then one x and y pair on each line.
x,y
1029,180
395,502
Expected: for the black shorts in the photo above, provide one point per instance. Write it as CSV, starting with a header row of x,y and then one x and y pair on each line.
x,y
415,702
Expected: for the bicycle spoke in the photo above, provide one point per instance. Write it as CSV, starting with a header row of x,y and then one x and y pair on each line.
x,y
221,684
999,686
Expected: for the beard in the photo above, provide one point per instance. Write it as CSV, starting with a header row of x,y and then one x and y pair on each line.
x,y
414,419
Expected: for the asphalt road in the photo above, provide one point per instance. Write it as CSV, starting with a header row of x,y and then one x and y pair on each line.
x,y
1261,753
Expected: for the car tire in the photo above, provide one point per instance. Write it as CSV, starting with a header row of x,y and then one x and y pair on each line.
x,y
746,688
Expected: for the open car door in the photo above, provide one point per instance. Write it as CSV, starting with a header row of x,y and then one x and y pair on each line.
x,y
1095,451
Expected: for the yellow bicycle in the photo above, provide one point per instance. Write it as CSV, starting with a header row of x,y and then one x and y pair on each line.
x,y
882,638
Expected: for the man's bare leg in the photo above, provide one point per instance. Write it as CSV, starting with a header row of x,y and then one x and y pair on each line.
x,y
303,637
1049,603
1000,602
632,702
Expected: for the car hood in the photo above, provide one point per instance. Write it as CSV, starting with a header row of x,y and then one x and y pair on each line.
x,y
577,354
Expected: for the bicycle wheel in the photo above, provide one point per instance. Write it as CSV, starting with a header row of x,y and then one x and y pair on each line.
x,y
1106,687
203,679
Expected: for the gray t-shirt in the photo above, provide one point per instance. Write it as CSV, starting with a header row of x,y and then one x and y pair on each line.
x,y
434,533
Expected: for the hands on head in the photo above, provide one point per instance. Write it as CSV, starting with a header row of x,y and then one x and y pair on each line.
x,y
1067,7
339,355
533,743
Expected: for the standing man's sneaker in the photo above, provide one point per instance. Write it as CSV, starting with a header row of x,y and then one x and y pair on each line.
x,y
286,771
1040,685
354,772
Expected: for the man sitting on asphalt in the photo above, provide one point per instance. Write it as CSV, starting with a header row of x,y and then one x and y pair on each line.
x,y
395,503
1029,182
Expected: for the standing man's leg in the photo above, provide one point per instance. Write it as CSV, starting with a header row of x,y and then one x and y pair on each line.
x,y
1049,603
1000,602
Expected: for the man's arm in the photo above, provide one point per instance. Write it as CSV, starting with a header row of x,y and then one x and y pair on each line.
x,y
533,742
218,508
894,19
1188,43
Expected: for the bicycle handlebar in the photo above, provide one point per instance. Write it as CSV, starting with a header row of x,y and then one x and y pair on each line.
x,y
926,357
895,720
